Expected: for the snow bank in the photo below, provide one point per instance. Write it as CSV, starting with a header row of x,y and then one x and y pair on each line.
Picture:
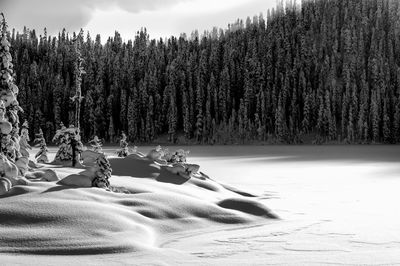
x,y
70,217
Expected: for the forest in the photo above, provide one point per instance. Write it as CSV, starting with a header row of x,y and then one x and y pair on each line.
x,y
324,71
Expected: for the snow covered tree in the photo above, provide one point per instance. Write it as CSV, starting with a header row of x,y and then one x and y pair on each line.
x,y
299,55
280,123
111,130
172,114
123,144
375,118
73,133
79,71
386,124
132,120
96,144
306,122
90,113
150,120
199,110
9,105
41,155
103,173
69,146
24,139
187,126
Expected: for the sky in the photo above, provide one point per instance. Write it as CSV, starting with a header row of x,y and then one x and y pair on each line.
x,y
161,18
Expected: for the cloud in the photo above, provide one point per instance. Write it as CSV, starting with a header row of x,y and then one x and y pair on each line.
x,y
221,18
136,6
183,17
69,14
162,18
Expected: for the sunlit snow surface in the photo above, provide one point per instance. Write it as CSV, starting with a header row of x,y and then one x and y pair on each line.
x,y
337,204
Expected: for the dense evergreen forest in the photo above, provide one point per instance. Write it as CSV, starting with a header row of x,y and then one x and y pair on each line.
x,y
324,71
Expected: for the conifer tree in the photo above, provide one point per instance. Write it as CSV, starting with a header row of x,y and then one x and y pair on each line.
x,y
386,124
280,123
41,155
9,105
374,118
199,117
79,71
187,127
132,123
150,120
282,69
90,112
172,114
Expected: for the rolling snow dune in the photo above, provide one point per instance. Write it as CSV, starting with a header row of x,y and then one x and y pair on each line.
x,y
68,218
337,205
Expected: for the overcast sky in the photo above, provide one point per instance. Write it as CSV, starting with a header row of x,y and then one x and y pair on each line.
x,y
162,18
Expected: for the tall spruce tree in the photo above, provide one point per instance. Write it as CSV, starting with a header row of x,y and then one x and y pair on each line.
x,y
8,101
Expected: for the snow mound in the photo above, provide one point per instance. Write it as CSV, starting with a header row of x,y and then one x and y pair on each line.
x,y
69,217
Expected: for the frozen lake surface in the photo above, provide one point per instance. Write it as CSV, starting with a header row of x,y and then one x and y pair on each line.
x,y
338,204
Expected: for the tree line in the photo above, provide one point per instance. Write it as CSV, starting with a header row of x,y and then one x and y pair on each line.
x,y
324,71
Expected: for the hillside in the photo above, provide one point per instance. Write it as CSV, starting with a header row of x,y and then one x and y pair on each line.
x,y
329,68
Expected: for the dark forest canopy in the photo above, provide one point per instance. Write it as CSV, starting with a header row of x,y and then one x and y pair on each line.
x,y
327,71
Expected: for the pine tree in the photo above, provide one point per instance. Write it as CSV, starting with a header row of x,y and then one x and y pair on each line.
x,y
150,120
110,129
321,118
187,126
282,69
123,111
374,118
79,71
396,122
199,117
41,155
306,113
280,123
242,120
350,126
208,121
387,138
259,128
90,111
329,119
132,120
172,114
8,103
57,94
222,94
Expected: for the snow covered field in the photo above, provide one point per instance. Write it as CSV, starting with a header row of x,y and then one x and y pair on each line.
x,y
337,205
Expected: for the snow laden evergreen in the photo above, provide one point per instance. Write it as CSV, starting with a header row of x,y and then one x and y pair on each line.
x,y
60,139
12,163
69,139
103,172
24,139
8,95
123,144
101,163
75,137
41,155
24,148
96,144
326,69
176,161
69,146
79,71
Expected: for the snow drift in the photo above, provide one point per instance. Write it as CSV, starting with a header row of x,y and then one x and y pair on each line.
x,y
70,217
